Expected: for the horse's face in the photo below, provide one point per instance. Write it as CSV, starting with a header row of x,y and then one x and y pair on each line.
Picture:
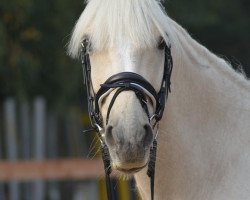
x,y
128,133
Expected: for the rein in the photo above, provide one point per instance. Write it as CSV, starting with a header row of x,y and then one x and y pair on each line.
x,y
125,81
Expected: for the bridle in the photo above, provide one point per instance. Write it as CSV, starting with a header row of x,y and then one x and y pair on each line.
x,y
120,82
125,81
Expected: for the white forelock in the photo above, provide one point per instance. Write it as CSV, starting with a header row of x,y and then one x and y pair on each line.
x,y
107,22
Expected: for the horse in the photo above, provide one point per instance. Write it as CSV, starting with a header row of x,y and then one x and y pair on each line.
x,y
204,134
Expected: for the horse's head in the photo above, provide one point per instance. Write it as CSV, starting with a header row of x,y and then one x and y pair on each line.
x,y
128,132
122,40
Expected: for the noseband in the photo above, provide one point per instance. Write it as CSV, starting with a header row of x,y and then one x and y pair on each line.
x,y
126,81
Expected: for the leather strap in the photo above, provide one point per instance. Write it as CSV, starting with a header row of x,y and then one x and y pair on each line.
x,y
151,167
124,79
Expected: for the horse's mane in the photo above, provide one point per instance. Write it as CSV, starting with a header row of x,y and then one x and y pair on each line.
x,y
107,21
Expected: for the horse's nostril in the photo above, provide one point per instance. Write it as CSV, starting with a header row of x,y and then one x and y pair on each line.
x,y
148,138
109,136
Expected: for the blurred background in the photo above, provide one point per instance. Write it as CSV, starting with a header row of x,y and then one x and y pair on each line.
x,y
42,99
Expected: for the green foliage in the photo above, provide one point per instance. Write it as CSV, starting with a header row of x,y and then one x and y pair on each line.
x,y
33,58
34,33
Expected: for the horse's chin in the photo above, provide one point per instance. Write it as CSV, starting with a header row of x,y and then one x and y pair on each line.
x,y
129,169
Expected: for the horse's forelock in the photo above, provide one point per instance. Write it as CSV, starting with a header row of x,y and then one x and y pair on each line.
x,y
107,22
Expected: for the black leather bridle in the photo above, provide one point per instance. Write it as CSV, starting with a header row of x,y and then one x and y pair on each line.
x,y
120,82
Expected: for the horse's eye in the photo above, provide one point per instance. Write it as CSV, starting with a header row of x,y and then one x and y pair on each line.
x,y
89,47
161,44
87,44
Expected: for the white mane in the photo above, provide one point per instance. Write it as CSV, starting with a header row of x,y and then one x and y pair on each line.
x,y
107,21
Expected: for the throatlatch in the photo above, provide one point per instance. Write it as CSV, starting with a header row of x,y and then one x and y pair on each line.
x,y
123,82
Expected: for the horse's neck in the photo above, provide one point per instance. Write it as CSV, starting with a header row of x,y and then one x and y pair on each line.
x,y
208,95
204,145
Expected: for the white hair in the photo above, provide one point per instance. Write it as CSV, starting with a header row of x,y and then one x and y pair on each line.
x,y
106,22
